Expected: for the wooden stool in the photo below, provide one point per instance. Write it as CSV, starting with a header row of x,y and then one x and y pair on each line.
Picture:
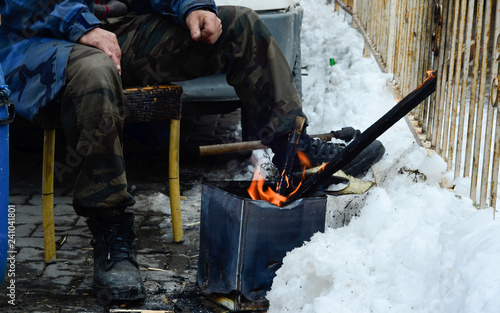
x,y
142,105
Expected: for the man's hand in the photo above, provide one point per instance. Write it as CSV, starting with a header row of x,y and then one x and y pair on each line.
x,y
204,26
105,41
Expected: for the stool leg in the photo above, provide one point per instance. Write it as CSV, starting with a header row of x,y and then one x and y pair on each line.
x,y
48,195
174,185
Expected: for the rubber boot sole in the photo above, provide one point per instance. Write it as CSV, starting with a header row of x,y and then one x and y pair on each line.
x,y
107,295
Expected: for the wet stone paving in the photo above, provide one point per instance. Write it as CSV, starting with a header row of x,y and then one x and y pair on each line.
x,y
168,269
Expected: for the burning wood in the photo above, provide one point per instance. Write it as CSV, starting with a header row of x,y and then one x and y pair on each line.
x,y
291,150
310,185
257,191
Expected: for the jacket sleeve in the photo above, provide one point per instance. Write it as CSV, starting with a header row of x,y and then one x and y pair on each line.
x,y
64,19
178,9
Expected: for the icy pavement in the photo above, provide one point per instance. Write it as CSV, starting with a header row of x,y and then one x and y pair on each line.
x,y
168,269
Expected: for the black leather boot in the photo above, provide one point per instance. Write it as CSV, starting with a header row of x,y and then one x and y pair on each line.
x,y
319,151
116,272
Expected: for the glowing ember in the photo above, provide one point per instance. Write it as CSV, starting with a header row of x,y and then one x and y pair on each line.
x,y
257,192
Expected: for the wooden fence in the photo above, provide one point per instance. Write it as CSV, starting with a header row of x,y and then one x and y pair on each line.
x,y
461,40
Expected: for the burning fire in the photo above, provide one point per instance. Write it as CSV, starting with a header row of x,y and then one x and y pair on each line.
x,y
256,189
257,192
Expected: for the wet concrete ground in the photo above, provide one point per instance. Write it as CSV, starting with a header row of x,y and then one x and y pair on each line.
x,y
168,269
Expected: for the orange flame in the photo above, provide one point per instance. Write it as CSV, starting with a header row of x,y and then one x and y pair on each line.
x,y
257,192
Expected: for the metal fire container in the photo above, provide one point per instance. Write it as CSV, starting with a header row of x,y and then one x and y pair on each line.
x,y
243,241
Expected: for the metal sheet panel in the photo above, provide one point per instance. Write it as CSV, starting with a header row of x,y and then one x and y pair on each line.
x,y
243,241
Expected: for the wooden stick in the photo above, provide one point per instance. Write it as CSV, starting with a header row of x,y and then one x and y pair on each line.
x,y
246,146
291,150
231,147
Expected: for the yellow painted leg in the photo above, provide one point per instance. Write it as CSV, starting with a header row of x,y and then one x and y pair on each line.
x,y
174,185
48,195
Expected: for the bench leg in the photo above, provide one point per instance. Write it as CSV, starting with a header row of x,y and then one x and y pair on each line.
x,y
174,185
48,195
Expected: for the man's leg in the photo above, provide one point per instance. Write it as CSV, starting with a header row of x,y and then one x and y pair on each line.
x,y
157,50
92,120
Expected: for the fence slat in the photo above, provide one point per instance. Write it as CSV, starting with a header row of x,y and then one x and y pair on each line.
x,y
461,168
450,105
461,7
494,103
486,148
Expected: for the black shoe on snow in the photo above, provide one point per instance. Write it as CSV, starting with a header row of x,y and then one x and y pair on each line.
x,y
319,152
116,273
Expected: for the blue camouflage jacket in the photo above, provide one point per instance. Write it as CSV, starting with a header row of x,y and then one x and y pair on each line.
x,y
36,37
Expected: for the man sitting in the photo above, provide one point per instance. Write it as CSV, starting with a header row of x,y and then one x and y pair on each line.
x,y
84,54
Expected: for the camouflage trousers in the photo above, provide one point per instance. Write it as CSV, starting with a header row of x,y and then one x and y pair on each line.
x,y
156,50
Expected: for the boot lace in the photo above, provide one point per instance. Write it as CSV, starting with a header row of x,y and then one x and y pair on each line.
x,y
119,246
317,149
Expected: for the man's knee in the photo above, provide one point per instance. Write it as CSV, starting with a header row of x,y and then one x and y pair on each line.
x,y
243,20
94,92
91,66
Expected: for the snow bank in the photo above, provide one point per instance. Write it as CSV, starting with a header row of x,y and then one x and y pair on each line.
x,y
415,247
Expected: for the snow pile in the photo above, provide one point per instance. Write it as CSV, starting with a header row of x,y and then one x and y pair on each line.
x,y
415,247
159,202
